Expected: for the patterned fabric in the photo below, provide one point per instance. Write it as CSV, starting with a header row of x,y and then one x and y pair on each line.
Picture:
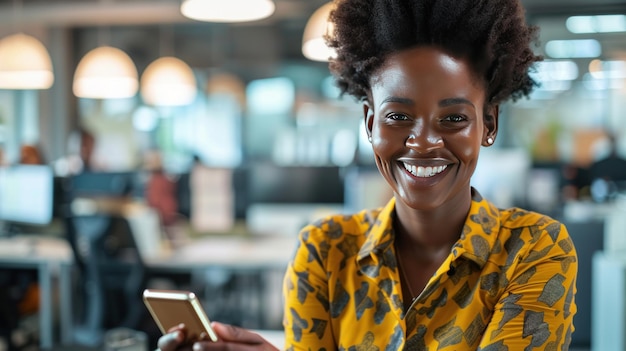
x,y
508,284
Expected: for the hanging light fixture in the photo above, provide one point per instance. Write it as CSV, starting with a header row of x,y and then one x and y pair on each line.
x,y
105,73
168,81
24,63
227,11
317,27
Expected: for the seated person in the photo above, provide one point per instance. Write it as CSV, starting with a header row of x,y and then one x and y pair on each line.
x,y
608,175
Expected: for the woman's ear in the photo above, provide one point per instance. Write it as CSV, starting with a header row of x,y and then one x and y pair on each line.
x,y
490,121
368,115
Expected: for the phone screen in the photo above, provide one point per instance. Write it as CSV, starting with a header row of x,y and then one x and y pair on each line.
x,y
170,308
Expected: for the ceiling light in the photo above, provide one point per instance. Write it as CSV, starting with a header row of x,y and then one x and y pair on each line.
x,y
596,24
317,27
105,73
168,81
227,11
582,48
24,63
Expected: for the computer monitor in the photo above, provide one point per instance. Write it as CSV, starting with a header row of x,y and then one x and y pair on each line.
x,y
269,183
282,199
26,194
104,184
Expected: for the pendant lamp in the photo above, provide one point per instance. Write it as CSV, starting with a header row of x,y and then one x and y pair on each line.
x,y
317,27
168,81
105,73
227,11
24,63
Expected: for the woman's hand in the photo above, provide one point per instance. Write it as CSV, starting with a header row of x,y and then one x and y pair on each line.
x,y
230,338
173,340
233,338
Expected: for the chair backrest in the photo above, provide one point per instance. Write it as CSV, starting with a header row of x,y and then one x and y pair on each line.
x,y
112,272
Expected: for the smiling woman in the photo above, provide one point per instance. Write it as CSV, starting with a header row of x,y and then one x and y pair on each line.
x,y
430,117
438,267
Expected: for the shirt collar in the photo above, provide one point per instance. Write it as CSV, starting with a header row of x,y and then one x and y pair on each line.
x,y
380,233
476,243
480,232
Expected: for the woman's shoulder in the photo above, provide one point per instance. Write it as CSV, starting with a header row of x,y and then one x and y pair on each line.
x,y
517,219
513,220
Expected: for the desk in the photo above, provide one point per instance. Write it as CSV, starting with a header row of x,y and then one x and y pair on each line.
x,y
50,257
232,252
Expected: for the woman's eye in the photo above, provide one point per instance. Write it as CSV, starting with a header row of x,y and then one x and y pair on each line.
x,y
455,118
397,117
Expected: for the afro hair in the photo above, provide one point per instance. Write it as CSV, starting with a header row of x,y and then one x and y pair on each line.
x,y
491,34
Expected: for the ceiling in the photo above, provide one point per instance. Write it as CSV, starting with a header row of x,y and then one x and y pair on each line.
x,y
92,12
138,26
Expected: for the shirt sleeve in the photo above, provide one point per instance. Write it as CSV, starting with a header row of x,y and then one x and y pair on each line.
x,y
537,307
306,315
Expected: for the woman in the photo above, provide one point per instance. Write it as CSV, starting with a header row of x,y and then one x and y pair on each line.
x,y
439,267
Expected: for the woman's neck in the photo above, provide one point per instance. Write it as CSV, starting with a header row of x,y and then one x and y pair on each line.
x,y
431,231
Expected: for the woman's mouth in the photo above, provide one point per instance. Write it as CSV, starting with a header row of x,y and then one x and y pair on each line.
x,y
424,172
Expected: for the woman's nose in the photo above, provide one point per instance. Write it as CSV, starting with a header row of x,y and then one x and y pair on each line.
x,y
424,140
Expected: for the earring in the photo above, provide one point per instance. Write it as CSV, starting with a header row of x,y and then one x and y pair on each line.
x,y
369,138
489,140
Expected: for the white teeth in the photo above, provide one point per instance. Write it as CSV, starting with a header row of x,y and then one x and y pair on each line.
x,y
424,172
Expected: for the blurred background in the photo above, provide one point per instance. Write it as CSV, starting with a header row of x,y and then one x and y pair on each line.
x,y
141,147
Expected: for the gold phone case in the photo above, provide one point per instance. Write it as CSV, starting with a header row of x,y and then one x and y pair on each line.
x,y
170,308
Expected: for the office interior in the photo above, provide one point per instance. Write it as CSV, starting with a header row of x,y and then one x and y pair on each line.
x,y
209,196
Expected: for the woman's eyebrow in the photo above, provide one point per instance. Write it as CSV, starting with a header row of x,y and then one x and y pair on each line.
x,y
397,99
455,101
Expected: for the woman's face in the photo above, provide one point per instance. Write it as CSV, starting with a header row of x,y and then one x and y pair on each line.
x,y
427,119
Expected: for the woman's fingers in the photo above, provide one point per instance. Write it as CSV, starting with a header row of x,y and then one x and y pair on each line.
x,y
181,326
231,338
172,340
227,332
231,346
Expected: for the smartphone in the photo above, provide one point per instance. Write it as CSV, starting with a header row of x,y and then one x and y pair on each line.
x,y
170,308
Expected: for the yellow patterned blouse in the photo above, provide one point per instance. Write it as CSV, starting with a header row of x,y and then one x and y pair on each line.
x,y
508,284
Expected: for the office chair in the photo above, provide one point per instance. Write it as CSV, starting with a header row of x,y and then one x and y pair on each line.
x,y
14,285
112,274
